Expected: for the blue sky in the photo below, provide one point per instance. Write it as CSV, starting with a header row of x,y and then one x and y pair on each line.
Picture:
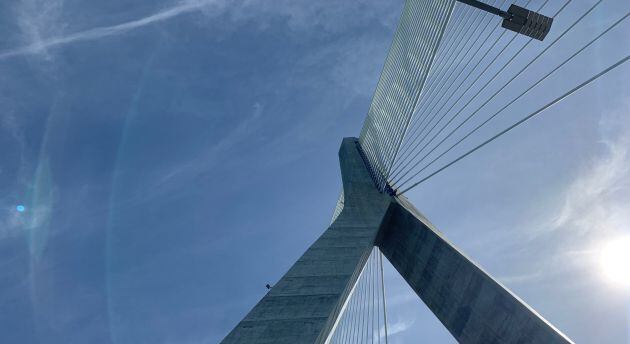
x,y
174,157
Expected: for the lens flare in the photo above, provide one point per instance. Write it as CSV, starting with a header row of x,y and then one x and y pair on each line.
x,y
616,260
20,208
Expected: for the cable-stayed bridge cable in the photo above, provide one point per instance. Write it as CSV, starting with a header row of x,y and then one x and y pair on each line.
x,y
487,83
438,76
526,91
362,319
526,118
432,85
399,123
405,71
417,143
428,95
424,111
445,55
499,89
380,263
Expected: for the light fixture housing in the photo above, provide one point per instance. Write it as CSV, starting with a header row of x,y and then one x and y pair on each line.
x,y
528,23
518,19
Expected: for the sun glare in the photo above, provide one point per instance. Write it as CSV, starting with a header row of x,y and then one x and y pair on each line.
x,y
616,260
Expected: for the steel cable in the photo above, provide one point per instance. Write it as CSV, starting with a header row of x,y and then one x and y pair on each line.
x,y
499,89
496,74
523,120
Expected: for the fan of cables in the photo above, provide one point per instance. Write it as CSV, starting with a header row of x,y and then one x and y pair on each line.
x,y
482,76
363,318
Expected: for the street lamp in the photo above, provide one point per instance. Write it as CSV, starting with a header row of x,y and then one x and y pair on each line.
x,y
518,19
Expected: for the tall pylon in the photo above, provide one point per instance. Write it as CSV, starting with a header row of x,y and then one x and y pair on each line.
x,y
305,304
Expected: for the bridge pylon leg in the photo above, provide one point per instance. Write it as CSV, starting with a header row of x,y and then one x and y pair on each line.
x,y
305,304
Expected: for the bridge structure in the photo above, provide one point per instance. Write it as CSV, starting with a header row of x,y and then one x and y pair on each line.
x,y
451,69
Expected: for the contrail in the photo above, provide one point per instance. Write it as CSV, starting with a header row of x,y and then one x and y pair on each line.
x,y
105,31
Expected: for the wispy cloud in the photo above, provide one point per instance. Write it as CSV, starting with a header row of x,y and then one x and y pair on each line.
x,y
9,122
166,181
597,199
399,326
32,26
42,27
327,15
593,209
520,278
39,18
10,219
